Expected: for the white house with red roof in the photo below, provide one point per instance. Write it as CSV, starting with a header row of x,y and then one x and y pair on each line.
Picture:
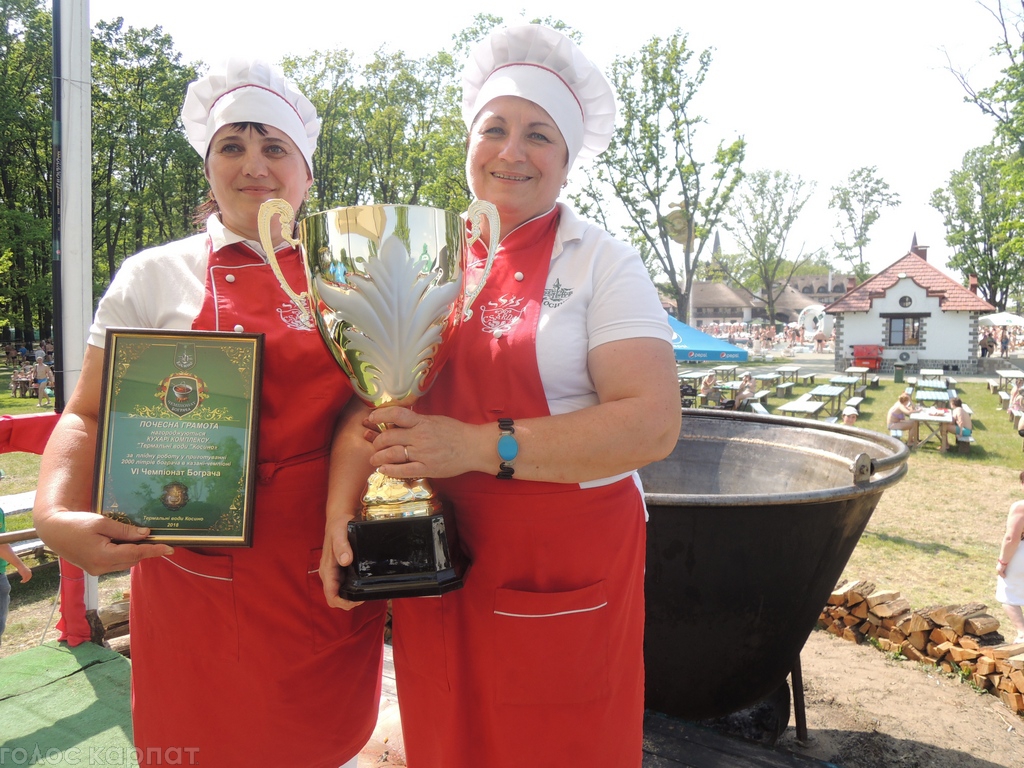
x,y
917,314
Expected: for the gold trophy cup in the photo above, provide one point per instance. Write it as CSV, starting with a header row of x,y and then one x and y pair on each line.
x,y
386,291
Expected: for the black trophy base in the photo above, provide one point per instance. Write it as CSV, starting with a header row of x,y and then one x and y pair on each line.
x,y
400,557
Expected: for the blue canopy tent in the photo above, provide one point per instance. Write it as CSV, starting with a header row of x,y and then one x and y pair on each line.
x,y
693,345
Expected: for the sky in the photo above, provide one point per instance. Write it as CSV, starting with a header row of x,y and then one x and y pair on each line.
x,y
817,88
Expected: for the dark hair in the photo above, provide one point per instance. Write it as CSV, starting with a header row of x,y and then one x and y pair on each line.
x,y
956,402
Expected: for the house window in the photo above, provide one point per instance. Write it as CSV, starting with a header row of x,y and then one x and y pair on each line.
x,y
904,331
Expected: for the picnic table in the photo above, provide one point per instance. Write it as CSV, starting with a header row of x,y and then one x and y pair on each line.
x,y
802,408
934,395
788,372
692,375
932,373
932,419
770,378
847,382
726,371
829,395
932,384
859,370
1006,374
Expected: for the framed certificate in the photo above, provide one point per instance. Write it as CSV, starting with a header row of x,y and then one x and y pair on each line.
x,y
176,443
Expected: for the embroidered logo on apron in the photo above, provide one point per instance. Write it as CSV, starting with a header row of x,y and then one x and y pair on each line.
x,y
500,315
556,295
292,317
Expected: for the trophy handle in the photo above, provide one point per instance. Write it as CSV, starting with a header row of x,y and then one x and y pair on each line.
x,y
268,210
478,210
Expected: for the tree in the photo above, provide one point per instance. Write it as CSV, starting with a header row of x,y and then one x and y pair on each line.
x,y
652,165
25,156
1004,99
147,180
763,215
983,212
859,204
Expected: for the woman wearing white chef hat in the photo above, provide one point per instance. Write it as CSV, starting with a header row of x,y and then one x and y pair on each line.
x,y
236,658
561,385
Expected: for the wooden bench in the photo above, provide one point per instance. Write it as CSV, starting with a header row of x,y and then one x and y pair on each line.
x,y
950,382
854,402
876,381
1004,400
963,443
807,378
861,391
912,381
993,385
759,409
784,389
760,396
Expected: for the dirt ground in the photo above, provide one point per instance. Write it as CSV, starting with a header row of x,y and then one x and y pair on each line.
x,y
865,711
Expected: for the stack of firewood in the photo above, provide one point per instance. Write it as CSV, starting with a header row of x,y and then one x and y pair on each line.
x,y
114,618
960,639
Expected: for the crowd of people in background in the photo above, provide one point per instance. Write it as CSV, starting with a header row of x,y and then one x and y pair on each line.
x,y
1001,340
765,338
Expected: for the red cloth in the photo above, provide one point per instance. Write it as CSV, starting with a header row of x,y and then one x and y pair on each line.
x,y
28,433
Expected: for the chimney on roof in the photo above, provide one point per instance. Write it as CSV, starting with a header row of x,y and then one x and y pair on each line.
x,y
918,250
972,285
851,283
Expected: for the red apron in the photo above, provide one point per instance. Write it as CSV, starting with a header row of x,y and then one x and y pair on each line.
x,y
236,658
538,660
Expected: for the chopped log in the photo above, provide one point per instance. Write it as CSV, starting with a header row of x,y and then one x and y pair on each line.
x,y
1006,651
114,614
1015,701
860,610
841,594
1017,676
959,653
897,637
892,608
946,667
895,621
935,651
882,632
851,621
981,624
121,645
881,596
918,639
858,591
981,681
1014,662
957,618
985,666
937,613
919,621
835,630
852,636
938,636
912,653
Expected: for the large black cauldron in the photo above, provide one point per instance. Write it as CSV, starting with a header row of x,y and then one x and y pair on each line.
x,y
752,520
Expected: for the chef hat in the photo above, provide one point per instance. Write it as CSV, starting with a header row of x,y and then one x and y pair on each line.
x,y
244,90
547,68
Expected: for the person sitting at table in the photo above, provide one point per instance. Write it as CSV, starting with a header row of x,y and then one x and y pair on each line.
x,y
961,425
747,390
1016,396
850,415
709,388
898,417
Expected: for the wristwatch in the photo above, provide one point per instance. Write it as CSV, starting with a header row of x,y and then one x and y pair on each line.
x,y
508,449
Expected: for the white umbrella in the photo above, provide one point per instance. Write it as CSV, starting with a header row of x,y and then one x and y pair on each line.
x,y
1001,318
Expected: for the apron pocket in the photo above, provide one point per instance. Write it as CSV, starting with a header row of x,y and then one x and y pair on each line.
x,y
334,625
418,638
194,603
551,647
